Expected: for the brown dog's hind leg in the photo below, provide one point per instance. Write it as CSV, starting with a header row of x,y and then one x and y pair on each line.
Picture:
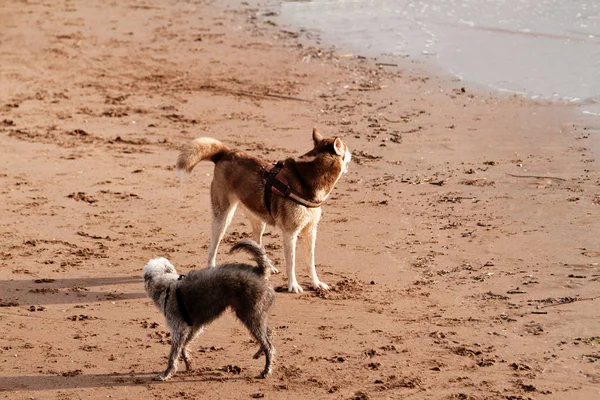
x,y
258,228
222,211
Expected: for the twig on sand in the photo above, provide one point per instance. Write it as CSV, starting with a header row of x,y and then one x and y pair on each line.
x,y
365,89
278,96
263,95
570,300
250,94
394,121
537,177
439,183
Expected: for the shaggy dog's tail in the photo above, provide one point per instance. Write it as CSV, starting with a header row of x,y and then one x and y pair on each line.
x,y
197,150
257,252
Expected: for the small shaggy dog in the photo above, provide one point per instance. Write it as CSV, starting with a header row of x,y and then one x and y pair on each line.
x,y
190,302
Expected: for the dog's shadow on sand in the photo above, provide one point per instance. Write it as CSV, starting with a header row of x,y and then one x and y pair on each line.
x,y
70,291
59,382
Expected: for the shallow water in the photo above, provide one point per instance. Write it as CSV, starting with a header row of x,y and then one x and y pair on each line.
x,y
540,48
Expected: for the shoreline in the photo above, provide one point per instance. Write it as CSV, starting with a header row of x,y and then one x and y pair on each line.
x,y
500,71
587,120
461,247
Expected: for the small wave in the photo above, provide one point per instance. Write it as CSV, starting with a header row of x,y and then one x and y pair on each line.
x,y
591,113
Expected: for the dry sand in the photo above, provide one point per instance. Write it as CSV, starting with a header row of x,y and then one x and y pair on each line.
x,y
462,246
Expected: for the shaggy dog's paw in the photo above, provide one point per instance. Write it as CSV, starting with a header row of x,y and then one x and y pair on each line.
x,y
264,374
274,270
160,378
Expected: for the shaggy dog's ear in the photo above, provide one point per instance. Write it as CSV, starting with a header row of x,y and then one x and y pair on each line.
x,y
148,278
169,268
148,272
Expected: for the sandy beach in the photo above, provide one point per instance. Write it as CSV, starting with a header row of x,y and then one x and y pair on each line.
x,y
461,247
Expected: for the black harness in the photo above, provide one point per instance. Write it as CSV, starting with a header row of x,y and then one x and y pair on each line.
x,y
280,187
180,304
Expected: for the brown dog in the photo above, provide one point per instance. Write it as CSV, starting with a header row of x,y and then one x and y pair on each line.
x,y
288,195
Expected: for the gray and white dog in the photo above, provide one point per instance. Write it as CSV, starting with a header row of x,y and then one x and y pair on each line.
x,y
190,302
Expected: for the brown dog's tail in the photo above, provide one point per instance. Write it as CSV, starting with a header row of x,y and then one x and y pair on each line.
x,y
257,252
198,150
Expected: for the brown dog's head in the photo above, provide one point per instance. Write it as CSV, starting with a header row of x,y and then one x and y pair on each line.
x,y
332,146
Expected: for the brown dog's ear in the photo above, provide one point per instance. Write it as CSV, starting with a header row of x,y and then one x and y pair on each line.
x,y
338,146
317,136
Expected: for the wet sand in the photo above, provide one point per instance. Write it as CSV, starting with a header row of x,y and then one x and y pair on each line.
x,y
462,247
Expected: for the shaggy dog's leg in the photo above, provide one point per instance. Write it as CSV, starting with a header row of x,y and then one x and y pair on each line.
x,y
177,342
258,353
261,351
257,325
184,352
269,351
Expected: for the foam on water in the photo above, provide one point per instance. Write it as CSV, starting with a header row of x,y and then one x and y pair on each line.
x,y
546,49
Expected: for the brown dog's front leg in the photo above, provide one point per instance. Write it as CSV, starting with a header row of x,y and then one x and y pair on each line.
x,y
289,249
